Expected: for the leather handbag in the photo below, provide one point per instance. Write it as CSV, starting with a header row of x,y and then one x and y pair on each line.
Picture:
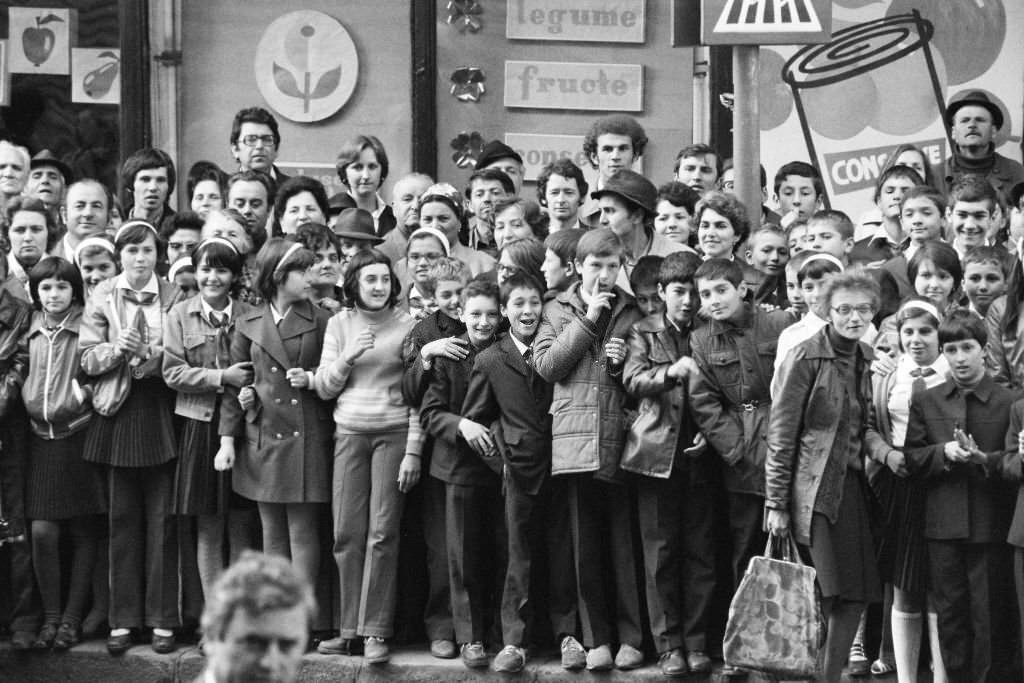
x,y
775,622
111,389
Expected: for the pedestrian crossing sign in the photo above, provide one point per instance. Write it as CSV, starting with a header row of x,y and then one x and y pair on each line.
x,y
765,22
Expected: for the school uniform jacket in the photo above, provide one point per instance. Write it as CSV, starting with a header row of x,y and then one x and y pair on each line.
x,y
503,388
588,405
453,461
966,501
195,357
288,434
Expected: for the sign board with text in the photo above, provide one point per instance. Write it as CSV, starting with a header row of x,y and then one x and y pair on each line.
x,y
765,22
538,150
597,21
581,86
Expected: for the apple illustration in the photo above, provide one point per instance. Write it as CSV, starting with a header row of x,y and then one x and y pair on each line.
x,y
97,82
37,41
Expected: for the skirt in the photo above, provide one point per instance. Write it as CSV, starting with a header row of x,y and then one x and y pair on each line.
x,y
902,551
199,489
59,484
140,434
843,554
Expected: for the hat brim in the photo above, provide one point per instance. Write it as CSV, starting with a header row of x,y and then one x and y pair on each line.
x,y
64,169
992,107
374,239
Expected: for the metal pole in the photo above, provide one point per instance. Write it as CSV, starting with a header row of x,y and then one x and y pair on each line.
x,y
747,129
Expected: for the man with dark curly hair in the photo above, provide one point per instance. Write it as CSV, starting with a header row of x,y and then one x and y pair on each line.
x,y
613,143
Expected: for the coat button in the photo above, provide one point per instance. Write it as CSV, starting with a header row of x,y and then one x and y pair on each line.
x,y
279,435
277,400
295,433
273,368
295,401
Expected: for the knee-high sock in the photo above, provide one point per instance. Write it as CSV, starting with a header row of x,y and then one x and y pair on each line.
x,y
906,644
938,666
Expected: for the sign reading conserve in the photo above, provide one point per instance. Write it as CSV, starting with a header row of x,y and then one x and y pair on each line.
x,y
605,21
574,85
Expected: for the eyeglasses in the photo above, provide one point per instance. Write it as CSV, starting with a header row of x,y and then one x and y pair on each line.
x,y
507,270
863,310
252,140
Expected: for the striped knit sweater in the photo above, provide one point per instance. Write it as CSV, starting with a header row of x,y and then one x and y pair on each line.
x,y
368,392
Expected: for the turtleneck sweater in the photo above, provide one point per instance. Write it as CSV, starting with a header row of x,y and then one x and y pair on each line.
x,y
369,391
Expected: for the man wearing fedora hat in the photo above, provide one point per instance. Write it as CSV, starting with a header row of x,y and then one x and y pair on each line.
x,y
973,119
627,204
48,177
355,230
496,154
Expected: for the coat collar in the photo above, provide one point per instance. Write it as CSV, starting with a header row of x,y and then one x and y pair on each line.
x,y
300,320
72,323
819,346
983,390
10,308
514,359
572,297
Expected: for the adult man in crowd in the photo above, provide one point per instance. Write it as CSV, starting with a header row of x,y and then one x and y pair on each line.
x,y
256,622
496,154
613,143
255,142
48,177
14,162
86,212
973,118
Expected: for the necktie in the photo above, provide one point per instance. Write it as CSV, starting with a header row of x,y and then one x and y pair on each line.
x,y
528,357
920,383
139,298
218,319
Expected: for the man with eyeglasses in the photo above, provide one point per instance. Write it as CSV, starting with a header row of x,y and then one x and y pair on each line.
x,y
255,142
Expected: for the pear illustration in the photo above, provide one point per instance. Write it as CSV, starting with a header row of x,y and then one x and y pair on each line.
x,y
97,82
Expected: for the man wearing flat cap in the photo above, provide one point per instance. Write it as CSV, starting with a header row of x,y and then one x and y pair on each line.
x,y
496,154
973,119
48,177
627,204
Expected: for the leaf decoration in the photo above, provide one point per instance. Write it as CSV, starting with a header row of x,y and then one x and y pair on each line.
x,y
327,84
285,81
108,53
48,19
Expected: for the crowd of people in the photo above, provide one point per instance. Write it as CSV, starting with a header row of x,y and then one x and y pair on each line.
x,y
539,420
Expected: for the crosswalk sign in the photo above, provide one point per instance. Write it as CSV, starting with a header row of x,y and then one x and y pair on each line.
x,y
765,22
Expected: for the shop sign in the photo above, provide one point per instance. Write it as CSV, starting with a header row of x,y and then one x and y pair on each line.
x,y
765,22
859,169
574,85
306,66
604,21
538,150
40,40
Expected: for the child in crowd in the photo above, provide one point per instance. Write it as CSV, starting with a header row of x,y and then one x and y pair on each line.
x,y
645,285
923,219
559,267
799,191
94,257
972,208
183,273
286,466
505,391
888,229
377,451
674,492
955,443
197,365
474,522
675,210
796,232
354,230
986,272
439,334
794,295
133,435
326,271
767,253
60,487
735,352
580,347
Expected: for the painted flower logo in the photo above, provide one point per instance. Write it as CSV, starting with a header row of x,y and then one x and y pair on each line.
x,y
468,147
297,48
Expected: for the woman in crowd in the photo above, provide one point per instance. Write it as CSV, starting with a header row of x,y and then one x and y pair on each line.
x,y
363,167
815,484
207,187
299,201
376,451
722,225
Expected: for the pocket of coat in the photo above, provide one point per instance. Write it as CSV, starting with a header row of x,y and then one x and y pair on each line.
x,y
193,341
726,367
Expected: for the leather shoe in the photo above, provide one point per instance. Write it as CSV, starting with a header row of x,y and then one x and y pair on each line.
x,y
600,658
673,664
163,645
628,658
574,657
335,646
698,662
474,655
118,645
443,648
375,650
510,660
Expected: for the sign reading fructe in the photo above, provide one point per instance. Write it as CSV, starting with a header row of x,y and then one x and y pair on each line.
x,y
574,85
604,21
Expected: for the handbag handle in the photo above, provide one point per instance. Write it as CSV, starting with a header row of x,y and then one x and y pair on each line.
x,y
779,548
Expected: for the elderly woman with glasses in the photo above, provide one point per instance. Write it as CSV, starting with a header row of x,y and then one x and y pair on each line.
x,y
815,487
